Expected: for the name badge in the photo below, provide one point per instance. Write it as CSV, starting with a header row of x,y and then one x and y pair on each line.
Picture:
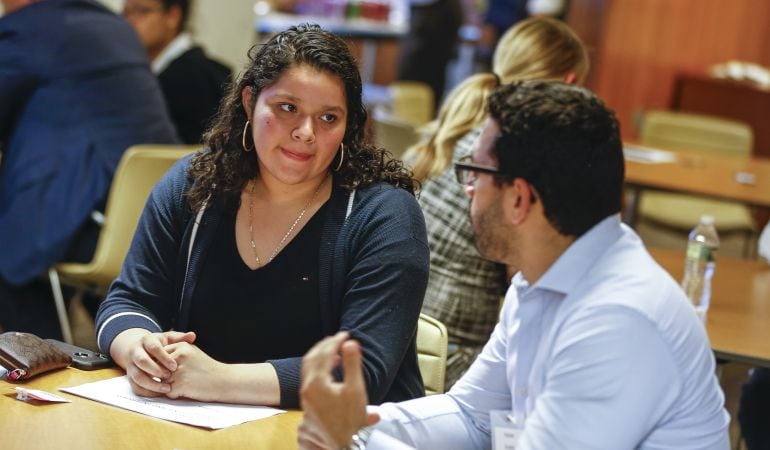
x,y
505,430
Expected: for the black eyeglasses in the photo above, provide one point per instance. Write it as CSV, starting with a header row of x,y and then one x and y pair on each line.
x,y
466,170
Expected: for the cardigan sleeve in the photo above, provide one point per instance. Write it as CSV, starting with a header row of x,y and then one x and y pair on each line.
x,y
383,287
145,293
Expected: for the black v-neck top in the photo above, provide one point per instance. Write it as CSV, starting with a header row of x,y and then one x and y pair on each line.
x,y
247,316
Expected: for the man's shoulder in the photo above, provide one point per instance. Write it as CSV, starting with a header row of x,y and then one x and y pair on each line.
x,y
50,13
627,276
194,62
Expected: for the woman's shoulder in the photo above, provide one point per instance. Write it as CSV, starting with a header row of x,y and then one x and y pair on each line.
x,y
382,191
380,203
175,183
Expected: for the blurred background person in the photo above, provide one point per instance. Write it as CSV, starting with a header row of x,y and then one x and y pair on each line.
x,y
503,14
192,83
465,289
430,42
75,93
754,407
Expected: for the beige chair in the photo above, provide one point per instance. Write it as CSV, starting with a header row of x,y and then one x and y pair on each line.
x,y
432,341
678,212
393,134
412,102
139,170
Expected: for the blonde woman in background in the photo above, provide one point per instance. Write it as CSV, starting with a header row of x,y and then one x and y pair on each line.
x,y
464,289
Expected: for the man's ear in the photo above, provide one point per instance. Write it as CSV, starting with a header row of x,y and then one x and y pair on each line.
x,y
246,100
174,18
517,201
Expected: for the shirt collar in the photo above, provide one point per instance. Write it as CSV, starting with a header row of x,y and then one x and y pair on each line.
x,y
570,268
173,50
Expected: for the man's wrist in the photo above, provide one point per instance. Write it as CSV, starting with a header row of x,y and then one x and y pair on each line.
x,y
358,441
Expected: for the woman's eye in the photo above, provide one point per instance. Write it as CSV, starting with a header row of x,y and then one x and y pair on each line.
x,y
328,118
288,107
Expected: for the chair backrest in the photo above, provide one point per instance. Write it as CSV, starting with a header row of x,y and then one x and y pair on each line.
x,y
394,135
139,170
412,102
677,130
432,341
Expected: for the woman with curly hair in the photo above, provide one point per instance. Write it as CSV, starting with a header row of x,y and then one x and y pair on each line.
x,y
289,227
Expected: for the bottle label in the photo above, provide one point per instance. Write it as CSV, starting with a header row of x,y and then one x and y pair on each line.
x,y
696,250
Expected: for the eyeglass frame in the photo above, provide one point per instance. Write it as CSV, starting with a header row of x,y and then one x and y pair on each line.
x,y
141,11
465,165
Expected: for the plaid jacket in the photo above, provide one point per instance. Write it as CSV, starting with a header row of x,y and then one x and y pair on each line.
x,y
464,290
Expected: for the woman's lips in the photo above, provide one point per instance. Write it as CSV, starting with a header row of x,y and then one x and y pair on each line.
x,y
297,156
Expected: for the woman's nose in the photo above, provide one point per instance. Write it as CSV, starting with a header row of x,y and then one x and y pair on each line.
x,y
304,131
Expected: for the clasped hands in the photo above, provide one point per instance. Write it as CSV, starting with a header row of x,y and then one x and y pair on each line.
x,y
167,364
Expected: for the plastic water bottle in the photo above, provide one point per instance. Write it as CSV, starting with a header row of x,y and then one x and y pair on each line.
x,y
699,264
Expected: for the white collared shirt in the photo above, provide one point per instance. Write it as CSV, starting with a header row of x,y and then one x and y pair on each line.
x,y
603,351
173,50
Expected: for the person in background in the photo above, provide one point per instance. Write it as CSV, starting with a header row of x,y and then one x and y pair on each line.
x,y
430,42
192,83
288,228
754,408
465,289
503,14
75,92
597,346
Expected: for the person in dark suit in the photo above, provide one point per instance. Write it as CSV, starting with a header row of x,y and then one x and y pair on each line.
x,y
75,93
192,83
430,43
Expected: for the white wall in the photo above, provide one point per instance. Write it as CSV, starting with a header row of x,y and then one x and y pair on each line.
x,y
225,29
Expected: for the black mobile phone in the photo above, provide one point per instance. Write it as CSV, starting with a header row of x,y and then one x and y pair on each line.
x,y
83,358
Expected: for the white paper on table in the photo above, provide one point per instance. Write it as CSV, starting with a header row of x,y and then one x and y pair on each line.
x,y
117,392
647,155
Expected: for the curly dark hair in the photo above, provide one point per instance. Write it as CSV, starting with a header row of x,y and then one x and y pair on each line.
x,y
223,170
566,143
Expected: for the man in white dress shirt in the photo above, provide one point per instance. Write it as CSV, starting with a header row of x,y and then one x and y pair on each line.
x,y
597,346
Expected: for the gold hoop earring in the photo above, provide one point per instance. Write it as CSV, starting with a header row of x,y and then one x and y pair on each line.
x,y
243,138
342,157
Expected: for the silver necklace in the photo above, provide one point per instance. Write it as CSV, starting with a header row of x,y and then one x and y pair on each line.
x,y
288,232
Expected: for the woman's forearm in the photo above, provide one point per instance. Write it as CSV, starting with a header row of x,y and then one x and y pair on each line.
x,y
254,384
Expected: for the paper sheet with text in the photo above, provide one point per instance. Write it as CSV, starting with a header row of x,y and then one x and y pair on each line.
x,y
117,392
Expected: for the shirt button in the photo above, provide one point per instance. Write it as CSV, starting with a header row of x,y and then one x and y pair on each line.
x,y
522,391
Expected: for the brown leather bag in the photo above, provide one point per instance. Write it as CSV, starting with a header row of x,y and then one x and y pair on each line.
x,y
26,355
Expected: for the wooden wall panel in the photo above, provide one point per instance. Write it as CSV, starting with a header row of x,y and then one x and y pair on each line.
x,y
643,44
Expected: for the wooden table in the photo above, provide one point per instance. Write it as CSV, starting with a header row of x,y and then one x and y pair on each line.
x,y
86,424
738,322
705,175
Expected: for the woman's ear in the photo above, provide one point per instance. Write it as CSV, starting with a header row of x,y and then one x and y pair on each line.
x,y
571,78
246,100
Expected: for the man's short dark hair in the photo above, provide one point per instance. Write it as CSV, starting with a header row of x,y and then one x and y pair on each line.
x,y
566,143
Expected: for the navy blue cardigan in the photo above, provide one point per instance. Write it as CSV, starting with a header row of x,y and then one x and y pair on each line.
x,y
373,271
